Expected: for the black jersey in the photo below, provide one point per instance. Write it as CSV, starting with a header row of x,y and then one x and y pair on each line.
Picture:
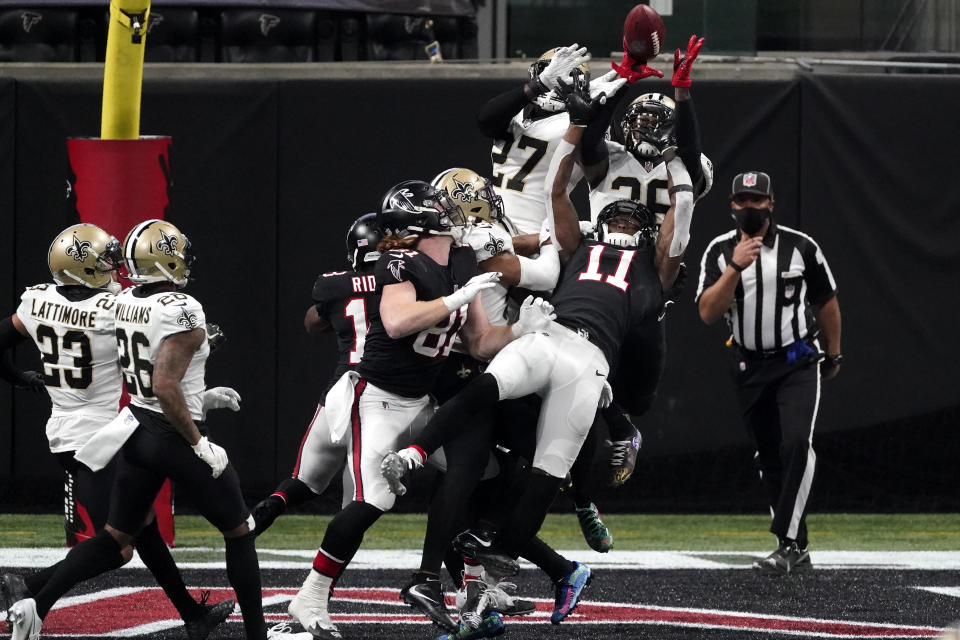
x,y
606,291
409,366
346,299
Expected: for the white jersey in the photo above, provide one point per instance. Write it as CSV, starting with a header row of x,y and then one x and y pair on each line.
x,y
630,179
142,324
488,240
79,353
520,166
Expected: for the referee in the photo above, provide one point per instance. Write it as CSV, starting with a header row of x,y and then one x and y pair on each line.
x,y
770,282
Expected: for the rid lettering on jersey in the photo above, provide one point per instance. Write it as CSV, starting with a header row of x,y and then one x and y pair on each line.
x,y
408,366
604,291
346,299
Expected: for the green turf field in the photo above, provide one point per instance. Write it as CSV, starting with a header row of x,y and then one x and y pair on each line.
x,y
854,532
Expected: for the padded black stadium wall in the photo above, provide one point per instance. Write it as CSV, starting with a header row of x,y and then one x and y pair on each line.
x,y
268,175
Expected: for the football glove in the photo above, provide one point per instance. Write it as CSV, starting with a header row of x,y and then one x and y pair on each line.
x,y
580,105
563,62
626,67
220,398
30,381
395,466
466,293
535,315
213,455
683,64
215,337
606,396
609,84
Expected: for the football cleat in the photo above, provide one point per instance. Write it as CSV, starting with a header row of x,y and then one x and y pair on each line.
x,y
282,631
309,607
491,627
211,618
568,590
424,594
24,622
623,458
12,589
474,604
788,558
478,544
500,600
596,533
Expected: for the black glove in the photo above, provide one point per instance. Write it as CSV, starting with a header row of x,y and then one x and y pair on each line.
x,y
215,336
830,366
581,108
30,381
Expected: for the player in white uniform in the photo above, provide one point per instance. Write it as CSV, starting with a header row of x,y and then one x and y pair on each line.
x,y
162,348
72,323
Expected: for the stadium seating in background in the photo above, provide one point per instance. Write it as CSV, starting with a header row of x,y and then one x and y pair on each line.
x,y
277,35
173,35
39,35
407,37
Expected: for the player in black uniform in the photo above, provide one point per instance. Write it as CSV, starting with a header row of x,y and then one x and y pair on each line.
x,y
430,292
342,302
607,287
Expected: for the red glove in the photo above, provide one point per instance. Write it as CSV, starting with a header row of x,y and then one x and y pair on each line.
x,y
626,66
682,65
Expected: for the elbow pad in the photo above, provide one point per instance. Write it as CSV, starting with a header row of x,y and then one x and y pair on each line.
x,y
540,274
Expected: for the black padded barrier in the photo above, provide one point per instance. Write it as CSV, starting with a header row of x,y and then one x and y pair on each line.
x,y
268,174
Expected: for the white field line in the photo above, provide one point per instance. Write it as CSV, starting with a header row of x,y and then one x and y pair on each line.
x,y
410,559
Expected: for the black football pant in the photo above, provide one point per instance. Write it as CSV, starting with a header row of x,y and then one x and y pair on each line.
x,y
779,403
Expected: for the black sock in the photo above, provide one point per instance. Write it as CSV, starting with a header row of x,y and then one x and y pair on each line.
x,y
552,563
35,581
581,473
293,492
88,559
243,572
528,513
155,554
618,423
344,534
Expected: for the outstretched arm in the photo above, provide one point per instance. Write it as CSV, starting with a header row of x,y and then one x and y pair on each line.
x,y
688,129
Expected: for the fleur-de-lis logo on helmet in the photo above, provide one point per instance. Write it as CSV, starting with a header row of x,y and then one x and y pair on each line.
x,y
187,320
79,249
167,243
462,191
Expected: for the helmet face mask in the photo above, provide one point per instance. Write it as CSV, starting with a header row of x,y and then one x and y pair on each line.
x,y
156,251
648,125
414,207
363,238
84,255
636,213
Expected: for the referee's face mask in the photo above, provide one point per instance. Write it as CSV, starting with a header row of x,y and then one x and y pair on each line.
x,y
751,212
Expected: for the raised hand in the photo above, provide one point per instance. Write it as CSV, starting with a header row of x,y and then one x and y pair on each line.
x,y
683,64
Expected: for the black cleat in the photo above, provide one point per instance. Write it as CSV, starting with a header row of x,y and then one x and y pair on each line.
x,y
12,589
425,595
266,511
478,544
212,617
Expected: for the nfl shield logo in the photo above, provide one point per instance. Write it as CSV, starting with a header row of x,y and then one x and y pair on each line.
x,y
749,179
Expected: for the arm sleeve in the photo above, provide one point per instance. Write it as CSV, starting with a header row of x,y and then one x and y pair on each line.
x,y
494,117
593,147
540,274
820,283
688,140
9,338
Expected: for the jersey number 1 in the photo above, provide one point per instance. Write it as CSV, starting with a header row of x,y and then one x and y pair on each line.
x,y
619,277
357,309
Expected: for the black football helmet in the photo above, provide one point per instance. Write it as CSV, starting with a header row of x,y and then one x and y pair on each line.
x,y
648,125
362,241
638,213
414,207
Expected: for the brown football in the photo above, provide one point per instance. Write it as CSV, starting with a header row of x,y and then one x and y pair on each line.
x,y
643,33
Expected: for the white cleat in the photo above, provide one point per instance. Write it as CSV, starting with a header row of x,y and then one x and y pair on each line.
x,y
24,622
309,607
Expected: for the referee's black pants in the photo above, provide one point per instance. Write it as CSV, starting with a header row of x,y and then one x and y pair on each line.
x,y
779,402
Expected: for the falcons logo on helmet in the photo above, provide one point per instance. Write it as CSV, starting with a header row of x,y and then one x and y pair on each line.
x,y
78,249
167,243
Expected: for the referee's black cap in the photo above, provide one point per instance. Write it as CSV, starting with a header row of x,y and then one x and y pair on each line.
x,y
756,182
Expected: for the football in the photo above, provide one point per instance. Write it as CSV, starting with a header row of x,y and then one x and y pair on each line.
x,y
643,33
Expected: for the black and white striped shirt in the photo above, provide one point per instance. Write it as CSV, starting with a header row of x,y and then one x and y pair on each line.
x,y
770,308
